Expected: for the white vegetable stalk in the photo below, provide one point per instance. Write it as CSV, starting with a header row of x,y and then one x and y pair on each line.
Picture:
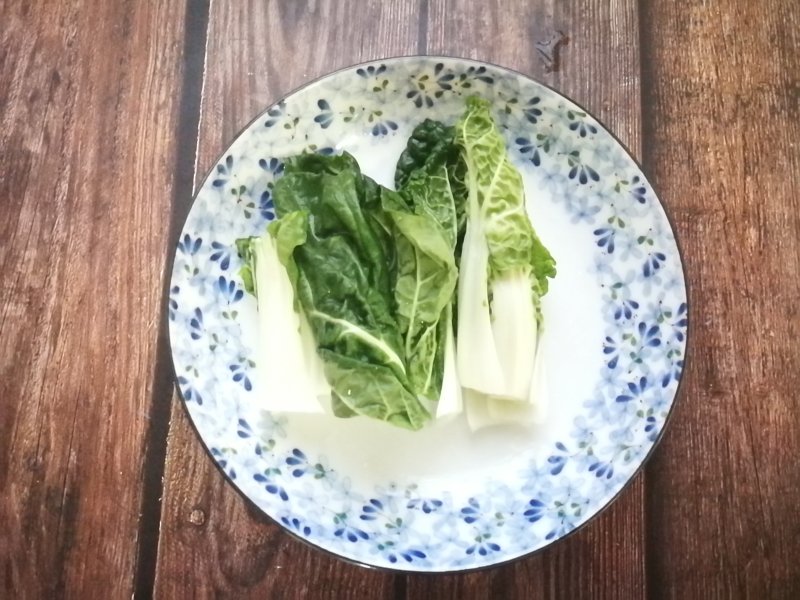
x,y
450,399
515,334
287,359
499,364
478,364
485,411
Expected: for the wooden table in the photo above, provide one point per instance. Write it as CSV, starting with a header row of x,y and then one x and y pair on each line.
x,y
111,113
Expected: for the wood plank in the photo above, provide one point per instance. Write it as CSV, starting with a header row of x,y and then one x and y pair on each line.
x,y
242,78
87,97
596,63
258,52
723,123
214,543
603,560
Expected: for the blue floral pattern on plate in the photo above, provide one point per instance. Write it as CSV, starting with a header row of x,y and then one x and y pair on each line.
x,y
636,305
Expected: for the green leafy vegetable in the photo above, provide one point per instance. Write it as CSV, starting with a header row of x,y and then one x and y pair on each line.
x,y
502,259
432,169
344,284
423,290
369,279
430,178
286,352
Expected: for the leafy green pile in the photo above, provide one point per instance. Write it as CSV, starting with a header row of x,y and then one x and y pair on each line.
x,y
371,276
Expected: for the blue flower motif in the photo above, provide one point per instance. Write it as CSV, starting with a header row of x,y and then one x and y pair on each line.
x,y
381,128
223,172
372,510
635,188
443,79
578,122
411,555
483,546
422,95
532,111
296,525
275,114
430,87
602,268
626,245
583,172
651,428
605,238
680,322
602,469
173,302
371,71
188,392
563,528
267,477
635,390
479,74
623,440
243,429
196,324
325,116
639,192
566,511
471,512
346,531
301,466
555,182
272,166
239,375
626,309
427,505
220,455
597,406
557,461
264,447
220,254
391,550
272,425
189,246
649,336
611,349
298,462
537,509
653,263
529,149
266,205
675,369
229,290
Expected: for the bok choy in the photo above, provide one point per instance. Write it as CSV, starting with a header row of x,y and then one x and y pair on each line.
x,y
504,269
429,177
386,303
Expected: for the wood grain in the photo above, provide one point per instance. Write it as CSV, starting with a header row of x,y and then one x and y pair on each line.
x,y
211,542
86,91
99,110
607,558
258,52
723,124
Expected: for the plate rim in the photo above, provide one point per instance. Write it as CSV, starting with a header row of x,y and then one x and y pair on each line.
x,y
382,568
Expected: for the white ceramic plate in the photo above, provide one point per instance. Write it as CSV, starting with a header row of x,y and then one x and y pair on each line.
x,y
442,499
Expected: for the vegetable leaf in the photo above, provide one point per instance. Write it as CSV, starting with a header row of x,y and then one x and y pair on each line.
x,y
496,186
424,287
343,281
503,260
